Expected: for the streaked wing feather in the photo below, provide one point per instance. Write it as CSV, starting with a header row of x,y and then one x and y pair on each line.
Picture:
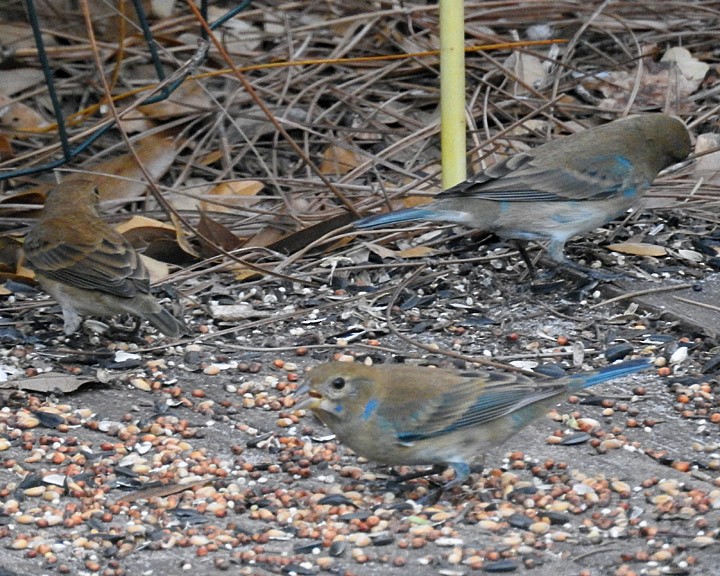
x,y
105,268
531,183
453,412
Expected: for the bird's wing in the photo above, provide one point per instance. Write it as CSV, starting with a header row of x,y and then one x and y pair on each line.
x,y
104,262
522,178
468,403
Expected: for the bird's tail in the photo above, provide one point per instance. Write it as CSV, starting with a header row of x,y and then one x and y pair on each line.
x,y
167,323
585,380
410,215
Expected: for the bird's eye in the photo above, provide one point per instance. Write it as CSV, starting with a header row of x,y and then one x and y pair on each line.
x,y
338,383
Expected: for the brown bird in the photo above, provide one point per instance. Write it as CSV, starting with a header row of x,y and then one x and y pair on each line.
x,y
88,267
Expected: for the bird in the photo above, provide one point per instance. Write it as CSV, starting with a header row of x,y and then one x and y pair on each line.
x,y
397,414
560,189
87,266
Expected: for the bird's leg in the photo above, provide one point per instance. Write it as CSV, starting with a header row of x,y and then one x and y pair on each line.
x,y
71,321
555,250
127,333
422,473
462,473
526,257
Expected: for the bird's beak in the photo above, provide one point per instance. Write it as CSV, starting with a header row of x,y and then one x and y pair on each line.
x,y
312,402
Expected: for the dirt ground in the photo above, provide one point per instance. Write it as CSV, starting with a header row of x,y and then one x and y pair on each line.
x,y
639,493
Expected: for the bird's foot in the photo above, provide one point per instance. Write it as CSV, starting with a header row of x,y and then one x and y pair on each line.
x,y
421,473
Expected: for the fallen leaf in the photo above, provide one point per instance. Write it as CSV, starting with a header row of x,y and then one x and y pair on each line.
x,y
674,78
242,274
338,160
693,71
16,80
10,254
297,240
232,195
189,98
157,240
380,250
49,383
529,69
708,167
158,270
19,118
237,312
218,234
415,201
638,249
142,222
6,148
417,252
161,491
414,252
120,178
690,255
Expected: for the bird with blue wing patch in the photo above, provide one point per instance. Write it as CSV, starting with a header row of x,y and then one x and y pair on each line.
x,y
409,415
560,189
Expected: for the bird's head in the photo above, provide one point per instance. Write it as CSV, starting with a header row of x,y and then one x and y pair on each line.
x,y
337,390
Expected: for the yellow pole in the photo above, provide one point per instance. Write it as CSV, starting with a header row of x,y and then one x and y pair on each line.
x,y
452,92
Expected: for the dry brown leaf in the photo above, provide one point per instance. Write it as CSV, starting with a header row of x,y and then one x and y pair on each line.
x,y
338,160
67,15
10,254
338,244
120,178
210,157
674,78
158,270
691,70
218,234
135,122
16,80
48,383
239,36
181,237
189,98
23,271
241,273
161,491
17,35
18,117
708,167
157,240
529,69
381,250
142,222
417,252
163,8
266,237
638,249
415,201
116,179
236,193
414,252
6,148
300,239
33,197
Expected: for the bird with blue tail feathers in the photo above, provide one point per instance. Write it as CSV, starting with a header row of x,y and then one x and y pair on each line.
x,y
410,415
561,189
